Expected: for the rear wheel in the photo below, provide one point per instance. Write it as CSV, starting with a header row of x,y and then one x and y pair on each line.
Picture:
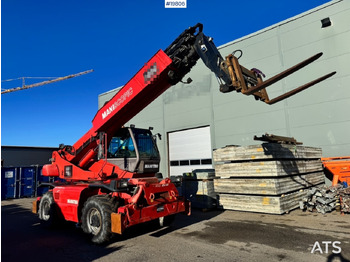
x,y
49,213
96,218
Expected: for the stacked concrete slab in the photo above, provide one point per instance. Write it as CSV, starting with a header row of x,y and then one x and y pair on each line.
x,y
198,187
267,178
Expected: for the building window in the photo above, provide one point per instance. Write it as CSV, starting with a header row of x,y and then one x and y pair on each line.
x,y
191,162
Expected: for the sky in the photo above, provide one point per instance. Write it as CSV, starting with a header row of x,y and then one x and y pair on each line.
x,y
51,38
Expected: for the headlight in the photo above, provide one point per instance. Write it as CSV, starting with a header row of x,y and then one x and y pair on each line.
x,y
123,183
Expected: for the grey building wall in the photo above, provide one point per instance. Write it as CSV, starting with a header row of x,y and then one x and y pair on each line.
x,y
18,156
318,116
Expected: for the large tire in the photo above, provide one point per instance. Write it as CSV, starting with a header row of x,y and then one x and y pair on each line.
x,y
166,221
96,218
49,212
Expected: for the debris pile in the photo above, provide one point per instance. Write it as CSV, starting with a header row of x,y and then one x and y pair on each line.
x,y
326,199
345,200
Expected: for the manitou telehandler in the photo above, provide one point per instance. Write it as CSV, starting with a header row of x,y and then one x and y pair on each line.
x,y
110,173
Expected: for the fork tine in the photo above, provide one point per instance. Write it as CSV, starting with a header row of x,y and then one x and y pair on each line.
x,y
282,75
298,89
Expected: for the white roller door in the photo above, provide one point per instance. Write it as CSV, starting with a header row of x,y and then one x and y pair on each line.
x,y
189,149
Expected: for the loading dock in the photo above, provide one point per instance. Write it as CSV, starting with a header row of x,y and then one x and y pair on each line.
x,y
189,149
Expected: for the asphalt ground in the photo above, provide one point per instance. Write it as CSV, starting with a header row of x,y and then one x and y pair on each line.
x,y
203,236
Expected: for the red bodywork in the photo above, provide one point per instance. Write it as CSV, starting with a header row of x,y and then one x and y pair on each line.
x,y
129,101
162,198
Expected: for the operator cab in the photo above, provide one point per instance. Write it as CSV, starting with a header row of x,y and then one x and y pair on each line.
x,y
134,150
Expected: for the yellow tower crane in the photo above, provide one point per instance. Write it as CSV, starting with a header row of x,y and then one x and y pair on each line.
x,y
24,86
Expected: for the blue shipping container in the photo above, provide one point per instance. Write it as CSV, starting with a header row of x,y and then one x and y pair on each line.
x,y
8,182
41,179
19,182
27,181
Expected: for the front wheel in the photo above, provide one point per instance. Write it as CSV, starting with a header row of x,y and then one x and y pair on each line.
x,y
96,218
166,221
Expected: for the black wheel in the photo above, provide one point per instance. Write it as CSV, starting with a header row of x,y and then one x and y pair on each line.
x,y
96,218
49,213
166,221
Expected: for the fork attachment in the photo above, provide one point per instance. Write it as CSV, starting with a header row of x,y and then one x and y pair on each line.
x,y
250,82
232,76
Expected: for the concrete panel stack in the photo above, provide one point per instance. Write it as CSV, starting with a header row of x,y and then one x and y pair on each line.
x,y
198,187
267,178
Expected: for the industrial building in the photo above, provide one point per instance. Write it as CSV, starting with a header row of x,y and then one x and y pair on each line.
x,y
196,118
22,156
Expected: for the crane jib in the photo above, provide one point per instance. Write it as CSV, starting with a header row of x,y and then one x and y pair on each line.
x,y
117,103
143,80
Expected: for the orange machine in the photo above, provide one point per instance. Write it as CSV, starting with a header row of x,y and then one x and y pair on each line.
x,y
339,167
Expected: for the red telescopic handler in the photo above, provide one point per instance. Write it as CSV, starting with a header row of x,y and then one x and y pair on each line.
x,y
110,177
